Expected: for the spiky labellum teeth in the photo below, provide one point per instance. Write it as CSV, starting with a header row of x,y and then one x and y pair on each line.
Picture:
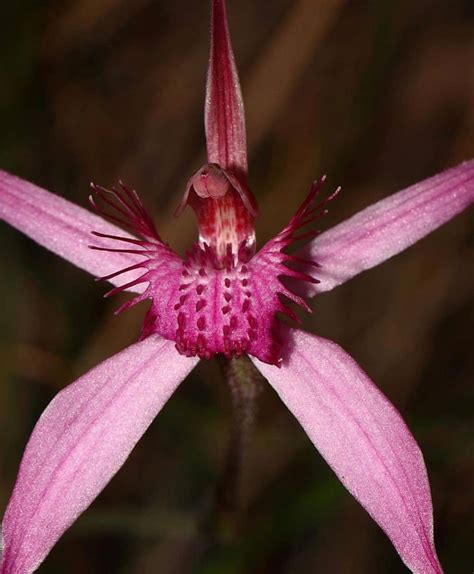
x,y
214,301
211,310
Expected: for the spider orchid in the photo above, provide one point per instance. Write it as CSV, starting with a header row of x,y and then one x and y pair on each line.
x,y
224,297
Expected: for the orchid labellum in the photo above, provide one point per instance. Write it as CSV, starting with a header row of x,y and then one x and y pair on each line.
x,y
225,298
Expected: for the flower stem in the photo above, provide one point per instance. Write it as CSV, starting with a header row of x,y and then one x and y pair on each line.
x,y
244,385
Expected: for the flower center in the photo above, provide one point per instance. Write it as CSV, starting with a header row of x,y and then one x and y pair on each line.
x,y
222,297
215,310
225,209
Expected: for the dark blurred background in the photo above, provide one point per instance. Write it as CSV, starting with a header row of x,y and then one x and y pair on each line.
x,y
377,94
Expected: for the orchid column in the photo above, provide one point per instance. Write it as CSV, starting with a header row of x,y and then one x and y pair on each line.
x,y
224,298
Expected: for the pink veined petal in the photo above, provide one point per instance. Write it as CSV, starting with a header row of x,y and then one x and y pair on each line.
x,y
224,112
364,440
63,227
79,443
390,226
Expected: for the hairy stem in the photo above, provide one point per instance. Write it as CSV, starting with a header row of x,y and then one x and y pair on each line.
x,y
244,385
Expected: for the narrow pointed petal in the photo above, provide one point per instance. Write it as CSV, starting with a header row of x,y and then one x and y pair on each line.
x,y
364,440
390,226
224,113
62,227
79,443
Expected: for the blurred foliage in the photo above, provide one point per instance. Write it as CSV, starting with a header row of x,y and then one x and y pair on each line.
x,y
378,94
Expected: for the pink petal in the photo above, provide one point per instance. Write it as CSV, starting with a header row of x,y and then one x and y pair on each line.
x,y
390,226
79,443
62,227
224,113
364,440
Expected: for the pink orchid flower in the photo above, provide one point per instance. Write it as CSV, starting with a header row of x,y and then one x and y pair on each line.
x,y
223,298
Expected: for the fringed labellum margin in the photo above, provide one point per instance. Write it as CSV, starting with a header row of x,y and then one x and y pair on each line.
x,y
221,297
